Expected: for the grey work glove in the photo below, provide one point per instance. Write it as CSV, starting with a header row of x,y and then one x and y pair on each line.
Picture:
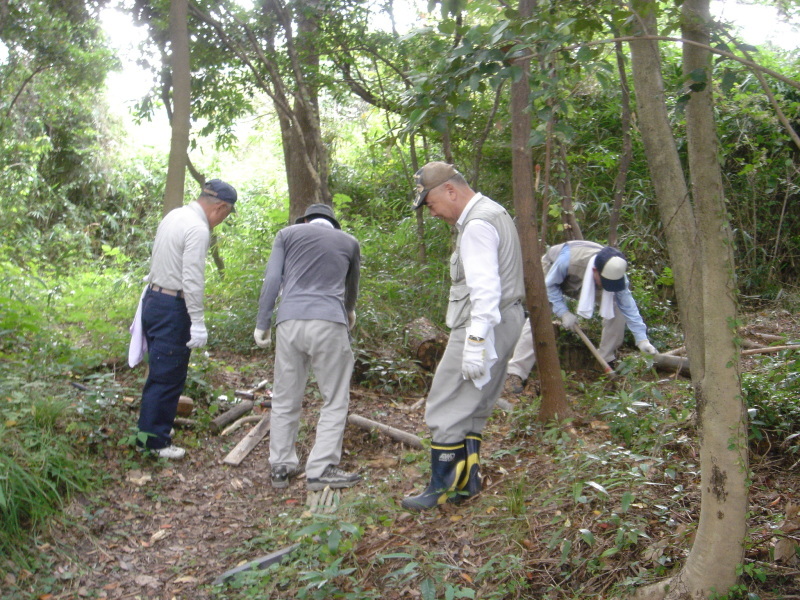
x,y
198,335
569,320
263,338
646,347
351,319
473,365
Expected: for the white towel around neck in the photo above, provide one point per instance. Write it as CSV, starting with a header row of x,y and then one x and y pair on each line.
x,y
586,301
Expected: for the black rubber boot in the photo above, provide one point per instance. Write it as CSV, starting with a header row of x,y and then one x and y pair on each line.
x,y
448,464
470,483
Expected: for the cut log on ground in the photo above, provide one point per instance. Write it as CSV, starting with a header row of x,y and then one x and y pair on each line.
x,y
666,362
409,439
229,416
250,441
426,342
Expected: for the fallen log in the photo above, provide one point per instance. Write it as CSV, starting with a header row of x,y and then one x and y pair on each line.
x,y
426,342
666,362
406,438
250,441
229,416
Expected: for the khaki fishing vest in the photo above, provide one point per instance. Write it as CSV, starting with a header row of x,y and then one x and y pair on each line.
x,y
509,259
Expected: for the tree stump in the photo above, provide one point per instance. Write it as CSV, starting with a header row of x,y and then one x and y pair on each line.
x,y
425,342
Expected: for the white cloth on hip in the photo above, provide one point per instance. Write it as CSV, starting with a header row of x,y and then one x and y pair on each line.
x,y
138,345
586,300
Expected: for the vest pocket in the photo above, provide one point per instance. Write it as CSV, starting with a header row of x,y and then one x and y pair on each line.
x,y
458,307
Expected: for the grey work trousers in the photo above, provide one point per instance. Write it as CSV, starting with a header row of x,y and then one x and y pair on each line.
x,y
455,407
323,346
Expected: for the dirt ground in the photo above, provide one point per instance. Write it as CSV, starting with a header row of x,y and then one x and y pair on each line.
x,y
168,530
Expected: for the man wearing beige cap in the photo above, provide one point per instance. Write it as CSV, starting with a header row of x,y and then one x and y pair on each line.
x,y
485,314
591,274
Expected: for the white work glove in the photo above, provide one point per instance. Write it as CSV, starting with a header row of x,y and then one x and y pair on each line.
x,y
473,365
569,320
351,319
263,338
646,347
198,335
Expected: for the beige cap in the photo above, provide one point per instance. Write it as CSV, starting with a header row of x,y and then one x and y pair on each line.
x,y
430,176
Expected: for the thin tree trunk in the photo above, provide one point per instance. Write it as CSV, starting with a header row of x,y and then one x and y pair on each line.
x,y
554,398
627,148
181,98
717,549
703,266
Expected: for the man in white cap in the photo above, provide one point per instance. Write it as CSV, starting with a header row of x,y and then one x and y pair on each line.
x,y
315,268
485,314
590,273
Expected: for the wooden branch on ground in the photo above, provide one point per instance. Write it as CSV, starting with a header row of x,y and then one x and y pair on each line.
x,y
675,351
416,405
408,439
250,441
769,337
769,349
243,421
230,415
184,422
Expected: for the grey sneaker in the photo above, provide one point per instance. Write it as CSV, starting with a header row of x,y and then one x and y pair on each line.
x,y
334,478
281,475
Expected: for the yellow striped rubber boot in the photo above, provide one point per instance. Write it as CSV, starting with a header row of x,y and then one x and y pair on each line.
x,y
470,483
448,464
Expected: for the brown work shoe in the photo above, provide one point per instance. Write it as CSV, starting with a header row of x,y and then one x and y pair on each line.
x,y
513,385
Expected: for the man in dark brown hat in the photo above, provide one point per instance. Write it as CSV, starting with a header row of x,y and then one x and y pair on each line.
x,y
317,267
485,314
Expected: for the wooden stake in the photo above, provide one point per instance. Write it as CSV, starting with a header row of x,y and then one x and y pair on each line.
x,y
250,441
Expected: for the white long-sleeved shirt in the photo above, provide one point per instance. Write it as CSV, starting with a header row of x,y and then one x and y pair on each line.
x,y
178,261
479,244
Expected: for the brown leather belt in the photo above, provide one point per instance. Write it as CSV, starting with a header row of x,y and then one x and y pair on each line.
x,y
160,290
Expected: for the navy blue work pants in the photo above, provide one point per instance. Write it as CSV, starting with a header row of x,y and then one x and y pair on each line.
x,y
166,325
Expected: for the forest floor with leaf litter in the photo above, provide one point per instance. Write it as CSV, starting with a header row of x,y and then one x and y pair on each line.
x,y
169,529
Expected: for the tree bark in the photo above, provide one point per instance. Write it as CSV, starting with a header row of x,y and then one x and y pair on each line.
x,y
554,397
181,99
701,254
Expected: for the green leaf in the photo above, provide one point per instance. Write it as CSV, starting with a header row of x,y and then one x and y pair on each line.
x,y
428,589
627,499
587,536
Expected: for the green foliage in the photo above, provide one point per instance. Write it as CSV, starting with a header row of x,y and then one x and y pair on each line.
x,y
40,467
770,393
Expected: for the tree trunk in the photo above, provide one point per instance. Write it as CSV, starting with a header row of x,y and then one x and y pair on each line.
x,y
717,549
181,98
706,256
626,154
554,397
